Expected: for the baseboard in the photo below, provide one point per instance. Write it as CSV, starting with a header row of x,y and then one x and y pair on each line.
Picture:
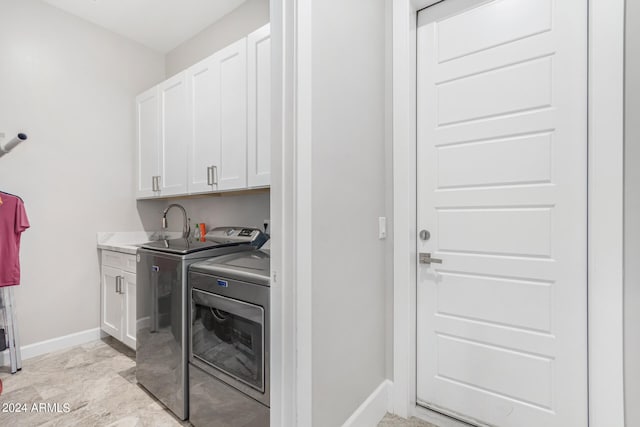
x,y
54,344
373,409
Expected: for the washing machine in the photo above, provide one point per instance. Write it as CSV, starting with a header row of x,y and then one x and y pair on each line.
x,y
162,312
229,341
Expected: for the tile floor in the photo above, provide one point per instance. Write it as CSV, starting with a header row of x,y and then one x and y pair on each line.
x,y
92,385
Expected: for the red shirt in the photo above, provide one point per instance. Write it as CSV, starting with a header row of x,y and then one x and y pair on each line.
x,y
13,221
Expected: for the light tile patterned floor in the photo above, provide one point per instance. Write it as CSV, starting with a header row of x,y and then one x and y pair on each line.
x,y
93,385
88,385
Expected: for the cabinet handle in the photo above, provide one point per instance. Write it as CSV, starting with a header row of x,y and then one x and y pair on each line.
x,y
215,175
209,175
153,183
158,182
117,284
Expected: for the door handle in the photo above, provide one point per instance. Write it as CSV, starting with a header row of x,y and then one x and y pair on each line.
x,y
425,258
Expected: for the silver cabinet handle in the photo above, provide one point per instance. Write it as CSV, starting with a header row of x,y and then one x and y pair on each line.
x,y
158,178
425,258
214,174
117,284
153,183
209,175
121,282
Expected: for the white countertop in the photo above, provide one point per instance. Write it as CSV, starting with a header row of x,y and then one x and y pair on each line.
x,y
128,241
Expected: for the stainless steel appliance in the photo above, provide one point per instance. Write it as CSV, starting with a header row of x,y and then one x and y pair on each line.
x,y
161,304
229,341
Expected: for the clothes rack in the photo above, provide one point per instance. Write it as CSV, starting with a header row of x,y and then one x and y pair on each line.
x,y
7,300
7,307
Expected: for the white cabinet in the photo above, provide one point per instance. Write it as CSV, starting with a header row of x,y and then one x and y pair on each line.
x,y
259,107
212,124
148,143
118,296
111,310
218,109
174,136
204,110
232,62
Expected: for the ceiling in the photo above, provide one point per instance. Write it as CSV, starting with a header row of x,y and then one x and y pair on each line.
x,y
159,24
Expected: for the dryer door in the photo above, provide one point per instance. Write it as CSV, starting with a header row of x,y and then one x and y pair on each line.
x,y
229,336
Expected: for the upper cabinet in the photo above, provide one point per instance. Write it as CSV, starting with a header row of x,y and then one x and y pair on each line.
x,y
232,62
211,126
218,105
259,112
148,143
204,154
174,136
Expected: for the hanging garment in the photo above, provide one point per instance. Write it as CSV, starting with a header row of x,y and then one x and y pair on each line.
x,y
13,221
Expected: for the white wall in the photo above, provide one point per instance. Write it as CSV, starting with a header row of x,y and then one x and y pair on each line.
x,y
250,16
632,215
349,186
70,86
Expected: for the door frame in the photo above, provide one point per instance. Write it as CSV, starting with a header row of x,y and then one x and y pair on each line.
x,y
605,209
290,210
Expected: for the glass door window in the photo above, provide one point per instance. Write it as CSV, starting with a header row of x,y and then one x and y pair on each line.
x,y
228,335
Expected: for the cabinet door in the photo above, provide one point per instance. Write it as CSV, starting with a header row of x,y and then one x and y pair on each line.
x,y
111,304
129,309
232,64
173,136
148,142
259,107
203,80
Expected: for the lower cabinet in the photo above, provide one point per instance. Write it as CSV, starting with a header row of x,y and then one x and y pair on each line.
x,y
118,296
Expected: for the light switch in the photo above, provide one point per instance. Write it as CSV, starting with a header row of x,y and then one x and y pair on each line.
x,y
382,227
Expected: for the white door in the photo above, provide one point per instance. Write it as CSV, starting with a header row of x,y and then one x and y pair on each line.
x,y
232,63
204,153
174,136
148,142
259,107
502,156
129,309
111,310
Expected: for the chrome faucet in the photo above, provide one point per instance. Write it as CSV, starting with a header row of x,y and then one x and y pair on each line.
x,y
185,226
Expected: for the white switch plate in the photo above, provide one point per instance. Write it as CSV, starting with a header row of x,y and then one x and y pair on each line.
x,y
382,227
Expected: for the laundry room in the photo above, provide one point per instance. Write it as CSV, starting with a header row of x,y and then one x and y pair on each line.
x,y
319,213
98,169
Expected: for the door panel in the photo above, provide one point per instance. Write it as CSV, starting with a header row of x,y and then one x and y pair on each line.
x,y
174,136
148,141
111,303
233,115
259,107
204,92
501,323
